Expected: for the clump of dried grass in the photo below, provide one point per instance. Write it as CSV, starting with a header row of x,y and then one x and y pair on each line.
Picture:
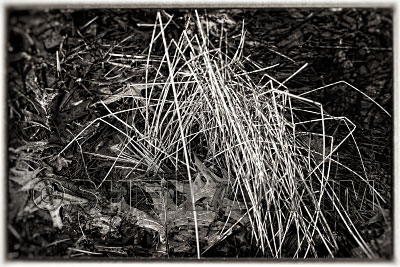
x,y
197,99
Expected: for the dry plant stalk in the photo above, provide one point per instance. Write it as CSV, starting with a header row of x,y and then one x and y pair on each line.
x,y
251,130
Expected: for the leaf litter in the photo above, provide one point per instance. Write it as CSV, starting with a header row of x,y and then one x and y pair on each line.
x,y
178,119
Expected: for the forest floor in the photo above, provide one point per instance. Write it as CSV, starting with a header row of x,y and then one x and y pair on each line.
x,y
65,70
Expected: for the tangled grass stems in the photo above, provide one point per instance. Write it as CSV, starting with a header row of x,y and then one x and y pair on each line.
x,y
200,101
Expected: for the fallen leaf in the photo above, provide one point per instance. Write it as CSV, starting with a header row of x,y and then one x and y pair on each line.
x,y
23,176
131,90
61,162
